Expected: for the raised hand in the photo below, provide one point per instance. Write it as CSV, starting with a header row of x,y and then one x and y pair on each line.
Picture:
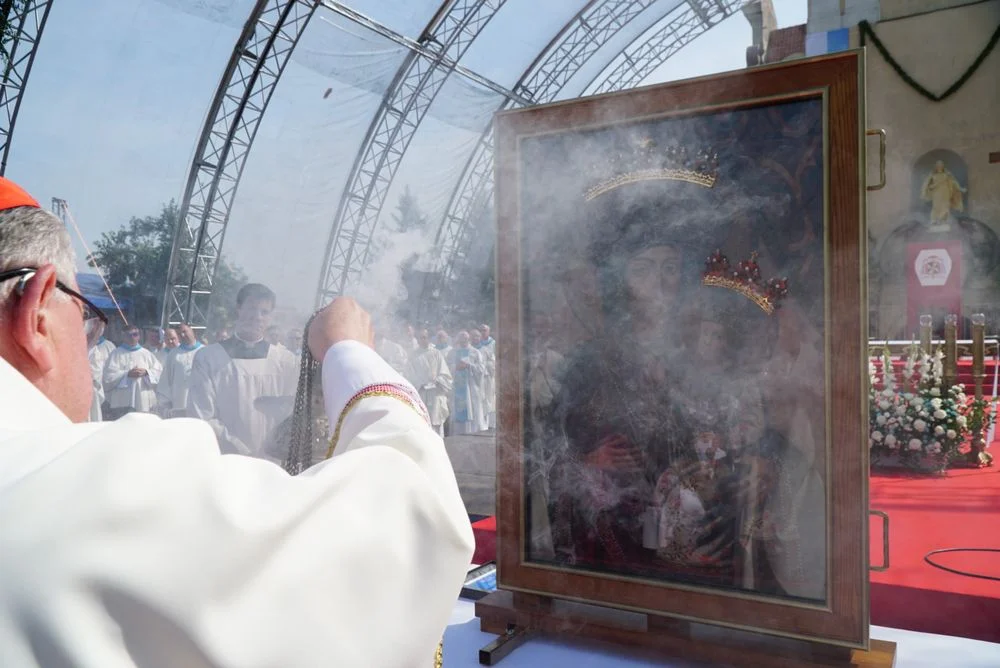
x,y
342,320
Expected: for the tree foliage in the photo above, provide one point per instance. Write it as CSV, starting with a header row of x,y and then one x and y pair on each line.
x,y
408,215
9,11
135,260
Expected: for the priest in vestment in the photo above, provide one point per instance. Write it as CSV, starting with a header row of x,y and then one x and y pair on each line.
x,y
98,355
244,386
429,373
487,347
443,342
172,390
393,353
467,410
135,543
156,343
130,377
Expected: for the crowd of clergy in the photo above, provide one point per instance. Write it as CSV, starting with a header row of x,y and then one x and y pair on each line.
x,y
242,380
455,375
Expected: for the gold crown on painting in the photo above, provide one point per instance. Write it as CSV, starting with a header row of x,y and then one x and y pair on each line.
x,y
745,279
647,161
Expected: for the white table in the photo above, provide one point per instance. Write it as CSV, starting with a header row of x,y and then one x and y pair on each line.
x,y
463,640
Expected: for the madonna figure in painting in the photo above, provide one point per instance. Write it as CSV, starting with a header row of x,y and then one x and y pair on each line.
x,y
665,465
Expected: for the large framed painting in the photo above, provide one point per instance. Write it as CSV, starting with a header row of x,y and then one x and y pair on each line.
x,y
681,289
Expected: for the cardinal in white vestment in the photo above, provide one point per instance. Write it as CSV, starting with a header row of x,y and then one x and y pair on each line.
x,y
172,390
467,410
98,356
135,543
130,377
244,386
487,347
429,373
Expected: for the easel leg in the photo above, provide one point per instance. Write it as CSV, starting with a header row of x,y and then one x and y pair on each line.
x,y
504,645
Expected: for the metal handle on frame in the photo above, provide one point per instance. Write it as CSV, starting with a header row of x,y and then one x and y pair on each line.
x,y
881,158
885,541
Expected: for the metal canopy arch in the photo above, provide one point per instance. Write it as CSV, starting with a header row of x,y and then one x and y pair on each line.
x,y
651,50
27,17
258,60
682,24
405,103
259,57
574,45
362,201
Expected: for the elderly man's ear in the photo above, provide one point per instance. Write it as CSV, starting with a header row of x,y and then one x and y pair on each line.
x,y
32,319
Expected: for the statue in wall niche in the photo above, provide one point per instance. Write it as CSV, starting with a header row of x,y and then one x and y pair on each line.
x,y
945,194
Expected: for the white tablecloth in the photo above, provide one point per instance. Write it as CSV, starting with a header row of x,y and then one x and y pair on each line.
x,y
463,640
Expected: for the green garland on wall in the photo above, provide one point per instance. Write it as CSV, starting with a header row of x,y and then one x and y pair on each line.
x,y
867,32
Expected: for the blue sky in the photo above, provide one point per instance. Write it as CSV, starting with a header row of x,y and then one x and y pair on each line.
x,y
120,89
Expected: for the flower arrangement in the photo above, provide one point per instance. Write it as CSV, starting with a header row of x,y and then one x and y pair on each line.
x,y
915,420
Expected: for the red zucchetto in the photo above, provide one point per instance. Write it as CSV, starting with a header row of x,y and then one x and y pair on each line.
x,y
13,195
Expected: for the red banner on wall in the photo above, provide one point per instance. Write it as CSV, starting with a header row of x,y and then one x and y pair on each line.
x,y
934,281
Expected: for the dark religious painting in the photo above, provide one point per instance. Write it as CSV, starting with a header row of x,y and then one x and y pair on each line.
x,y
684,267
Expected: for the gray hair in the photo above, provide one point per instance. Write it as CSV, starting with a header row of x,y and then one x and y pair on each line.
x,y
31,237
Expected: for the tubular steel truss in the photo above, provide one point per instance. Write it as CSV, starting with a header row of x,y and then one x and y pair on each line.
x,y
570,50
259,57
417,82
674,32
24,23
576,43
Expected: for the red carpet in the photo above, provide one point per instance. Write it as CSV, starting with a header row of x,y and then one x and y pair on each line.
x,y
960,509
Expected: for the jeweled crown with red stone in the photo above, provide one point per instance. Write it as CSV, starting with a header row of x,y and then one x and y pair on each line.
x,y
745,279
646,161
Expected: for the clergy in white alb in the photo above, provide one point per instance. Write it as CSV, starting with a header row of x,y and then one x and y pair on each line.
x,y
130,377
244,387
443,343
172,390
429,373
135,543
98,355
487,347
467,411
154,342
393,353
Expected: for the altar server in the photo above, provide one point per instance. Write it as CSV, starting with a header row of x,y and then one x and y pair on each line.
x,y
393,353
98,356
130,377
244,386
487,347
155,342
135,543
172,391
429,373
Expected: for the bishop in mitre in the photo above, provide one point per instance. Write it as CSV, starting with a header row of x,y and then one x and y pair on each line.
x,y
137,543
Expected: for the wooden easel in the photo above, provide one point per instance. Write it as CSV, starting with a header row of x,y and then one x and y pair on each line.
x,y
515,616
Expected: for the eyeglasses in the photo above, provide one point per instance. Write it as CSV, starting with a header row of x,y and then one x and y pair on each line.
x,y
94,321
